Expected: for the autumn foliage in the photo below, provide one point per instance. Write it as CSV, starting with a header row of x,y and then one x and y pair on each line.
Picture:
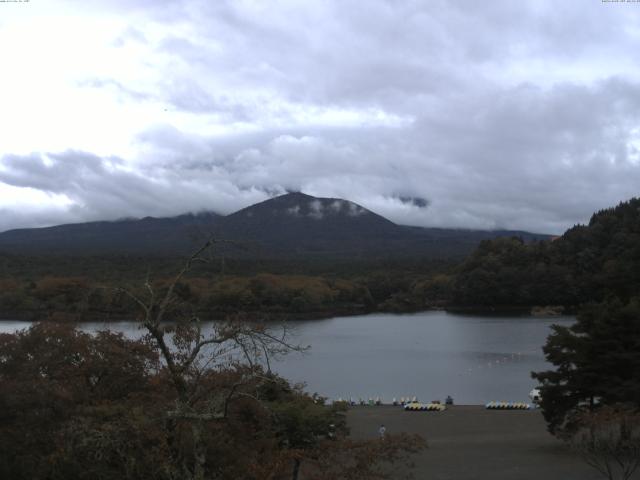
x,y
80,406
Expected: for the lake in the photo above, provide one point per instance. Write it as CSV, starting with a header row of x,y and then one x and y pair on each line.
x,y
429,355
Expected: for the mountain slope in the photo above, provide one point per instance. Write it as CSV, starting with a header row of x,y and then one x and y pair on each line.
x,y
146,235
291,225
298,223
587,263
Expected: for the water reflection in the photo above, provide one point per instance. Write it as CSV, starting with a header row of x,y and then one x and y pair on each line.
x,y
429,355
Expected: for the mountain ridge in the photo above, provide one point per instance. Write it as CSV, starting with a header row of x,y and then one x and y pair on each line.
x,y
289,225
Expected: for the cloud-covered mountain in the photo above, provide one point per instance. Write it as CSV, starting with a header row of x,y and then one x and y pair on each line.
x,y
455,114
291,225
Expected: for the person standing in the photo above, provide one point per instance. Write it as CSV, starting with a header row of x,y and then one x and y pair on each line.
x,y
382,430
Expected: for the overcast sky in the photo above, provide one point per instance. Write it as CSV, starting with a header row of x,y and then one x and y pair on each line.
x,y
496,114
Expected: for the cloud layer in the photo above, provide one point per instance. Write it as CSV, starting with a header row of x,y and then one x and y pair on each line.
x,y
440,113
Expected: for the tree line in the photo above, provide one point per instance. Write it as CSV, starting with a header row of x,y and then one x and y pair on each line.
x,y
73,298
588,263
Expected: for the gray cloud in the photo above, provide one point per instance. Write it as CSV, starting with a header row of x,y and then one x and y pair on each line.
x,y
103,189
494,114
524,158
414,201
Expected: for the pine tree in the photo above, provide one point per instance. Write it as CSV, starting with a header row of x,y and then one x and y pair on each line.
x,y
597,362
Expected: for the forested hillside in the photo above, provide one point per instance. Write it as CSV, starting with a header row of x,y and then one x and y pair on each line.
x,y
81,297
587,263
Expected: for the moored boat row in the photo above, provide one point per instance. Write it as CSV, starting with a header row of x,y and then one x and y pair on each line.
x,y
508,406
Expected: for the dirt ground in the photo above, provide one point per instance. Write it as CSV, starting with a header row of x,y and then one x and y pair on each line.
x,y
469,442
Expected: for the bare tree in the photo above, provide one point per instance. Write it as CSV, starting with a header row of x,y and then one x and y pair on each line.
x,y
189,353
608,439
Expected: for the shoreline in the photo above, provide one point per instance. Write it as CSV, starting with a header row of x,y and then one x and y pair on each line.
x,y
273,316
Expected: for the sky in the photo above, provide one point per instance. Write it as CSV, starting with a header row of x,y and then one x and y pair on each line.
x,y
457,113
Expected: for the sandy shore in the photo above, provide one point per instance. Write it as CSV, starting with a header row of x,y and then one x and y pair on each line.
x,y
469,442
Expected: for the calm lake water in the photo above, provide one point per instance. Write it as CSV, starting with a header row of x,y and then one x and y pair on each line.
x,y
430,355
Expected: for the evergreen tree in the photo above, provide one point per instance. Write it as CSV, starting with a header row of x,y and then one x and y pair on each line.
x,y
597,363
